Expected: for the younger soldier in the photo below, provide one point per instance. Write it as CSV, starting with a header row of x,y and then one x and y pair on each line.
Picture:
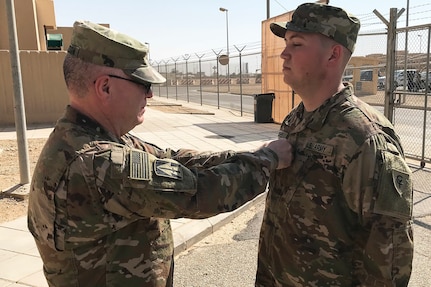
x,y
341,215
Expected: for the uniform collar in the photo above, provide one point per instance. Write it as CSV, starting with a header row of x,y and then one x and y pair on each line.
x,y
316,119
93,127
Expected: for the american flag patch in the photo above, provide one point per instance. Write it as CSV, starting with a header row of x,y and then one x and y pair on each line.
x,y
139,165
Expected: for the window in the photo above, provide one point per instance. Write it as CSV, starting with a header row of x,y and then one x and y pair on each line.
x,y
366,75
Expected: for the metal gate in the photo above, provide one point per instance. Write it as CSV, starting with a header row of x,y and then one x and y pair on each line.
x,y
400,81
411,91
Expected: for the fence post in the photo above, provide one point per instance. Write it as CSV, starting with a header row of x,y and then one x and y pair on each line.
x,y
240,74
390,60
158,70
175,73
218,84
187,57
167,80
200,74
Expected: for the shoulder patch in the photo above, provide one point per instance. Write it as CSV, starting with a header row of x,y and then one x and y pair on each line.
x,y
139,165
400,180
166,168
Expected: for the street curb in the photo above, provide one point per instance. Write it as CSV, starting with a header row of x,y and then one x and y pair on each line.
x,y
186,235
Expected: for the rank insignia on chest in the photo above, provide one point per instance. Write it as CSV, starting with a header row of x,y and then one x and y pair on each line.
x,y
320,148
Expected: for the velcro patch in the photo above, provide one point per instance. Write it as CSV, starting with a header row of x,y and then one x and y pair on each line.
x,y
139,165
320,148
400,181
170,169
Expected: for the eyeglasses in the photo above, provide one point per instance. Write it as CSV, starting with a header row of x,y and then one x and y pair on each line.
x,y
147,86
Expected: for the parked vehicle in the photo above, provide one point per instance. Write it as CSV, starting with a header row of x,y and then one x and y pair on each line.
x,y
381,81
423,80
347,78
412,80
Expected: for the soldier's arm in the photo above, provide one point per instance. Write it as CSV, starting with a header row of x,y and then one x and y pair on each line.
x,y
201,159
378,188
187,157
134,182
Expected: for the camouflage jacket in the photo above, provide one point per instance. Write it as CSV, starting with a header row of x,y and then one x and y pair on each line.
x,y
99,206
341,215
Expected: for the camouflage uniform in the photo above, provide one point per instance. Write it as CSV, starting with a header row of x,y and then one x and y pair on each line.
x,y
341,214
97,203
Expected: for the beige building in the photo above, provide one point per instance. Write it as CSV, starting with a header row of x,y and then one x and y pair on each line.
x,y
41,44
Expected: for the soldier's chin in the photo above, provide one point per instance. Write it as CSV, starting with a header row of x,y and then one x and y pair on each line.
x,y
141,113
140,116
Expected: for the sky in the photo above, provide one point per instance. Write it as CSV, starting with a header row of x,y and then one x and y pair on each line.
x,y
176,28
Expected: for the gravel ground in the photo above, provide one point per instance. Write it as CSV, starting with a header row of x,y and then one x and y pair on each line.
x,y
11,207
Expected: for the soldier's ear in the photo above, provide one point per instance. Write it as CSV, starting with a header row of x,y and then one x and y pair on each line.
x,y
336,52
101,84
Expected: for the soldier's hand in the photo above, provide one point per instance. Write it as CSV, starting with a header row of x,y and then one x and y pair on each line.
x,y
284,151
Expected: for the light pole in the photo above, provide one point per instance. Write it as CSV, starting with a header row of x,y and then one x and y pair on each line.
x,y
227,45
267,9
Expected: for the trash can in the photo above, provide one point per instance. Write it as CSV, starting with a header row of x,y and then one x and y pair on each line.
x,y
263,108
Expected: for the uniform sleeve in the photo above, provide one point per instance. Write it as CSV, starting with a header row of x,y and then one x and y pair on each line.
x,y
378,187
187,157
134,182
192,158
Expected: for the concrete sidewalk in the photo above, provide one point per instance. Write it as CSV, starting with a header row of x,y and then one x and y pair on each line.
x,y
173,124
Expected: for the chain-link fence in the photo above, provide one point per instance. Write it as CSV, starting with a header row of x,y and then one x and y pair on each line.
x,y
411,84
212,78
207,79
412,88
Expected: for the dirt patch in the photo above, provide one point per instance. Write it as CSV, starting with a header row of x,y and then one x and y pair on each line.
x,y
10,206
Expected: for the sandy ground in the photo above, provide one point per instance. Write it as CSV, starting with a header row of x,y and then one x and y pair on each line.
x,y
11,207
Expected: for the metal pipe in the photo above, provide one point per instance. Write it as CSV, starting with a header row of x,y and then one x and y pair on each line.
x,y
19,108
227,46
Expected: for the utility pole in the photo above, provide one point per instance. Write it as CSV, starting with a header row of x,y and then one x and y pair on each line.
x,y
227,46
19,109
268,9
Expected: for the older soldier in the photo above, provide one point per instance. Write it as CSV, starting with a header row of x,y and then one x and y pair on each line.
x,y
341,215
99,195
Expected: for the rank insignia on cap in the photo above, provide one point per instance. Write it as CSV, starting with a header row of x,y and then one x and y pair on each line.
x,y
165,168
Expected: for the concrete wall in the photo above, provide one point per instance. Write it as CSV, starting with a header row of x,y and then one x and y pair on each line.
x,y
364,87
272,74
45,94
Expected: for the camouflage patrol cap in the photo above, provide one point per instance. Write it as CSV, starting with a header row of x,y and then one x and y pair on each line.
x,y
329,21
103,46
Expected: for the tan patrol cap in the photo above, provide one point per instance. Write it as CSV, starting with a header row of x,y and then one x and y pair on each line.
x,y
103,46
